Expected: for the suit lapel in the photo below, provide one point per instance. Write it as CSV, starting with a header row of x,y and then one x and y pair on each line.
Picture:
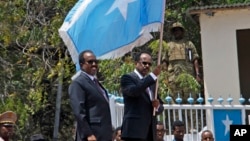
x,y
104,90
137,78
96,87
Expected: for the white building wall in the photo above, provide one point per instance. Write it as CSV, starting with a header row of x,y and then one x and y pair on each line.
x,y
219,51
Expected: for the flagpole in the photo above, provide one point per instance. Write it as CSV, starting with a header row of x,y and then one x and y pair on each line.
x,y
160,50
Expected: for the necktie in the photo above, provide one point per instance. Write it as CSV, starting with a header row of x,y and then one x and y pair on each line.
x,y
100,88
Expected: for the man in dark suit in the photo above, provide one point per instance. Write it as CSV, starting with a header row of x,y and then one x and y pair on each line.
x,y
138,89
89,101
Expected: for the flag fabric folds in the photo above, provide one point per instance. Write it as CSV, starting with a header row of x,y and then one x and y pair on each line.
x,y
110,28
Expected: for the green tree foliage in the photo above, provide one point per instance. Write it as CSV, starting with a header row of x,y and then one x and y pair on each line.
x,y
32,56
111,71
33,59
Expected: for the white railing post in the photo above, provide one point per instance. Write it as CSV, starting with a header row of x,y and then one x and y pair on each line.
x,y
204,115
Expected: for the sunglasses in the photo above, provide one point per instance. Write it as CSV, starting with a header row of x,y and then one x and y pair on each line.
x,y
92,61
146,63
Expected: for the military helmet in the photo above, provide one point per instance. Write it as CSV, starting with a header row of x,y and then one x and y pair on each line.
x,y
177,25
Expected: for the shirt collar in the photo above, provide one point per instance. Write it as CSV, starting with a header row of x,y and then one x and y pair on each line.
x,y
90,76
140,76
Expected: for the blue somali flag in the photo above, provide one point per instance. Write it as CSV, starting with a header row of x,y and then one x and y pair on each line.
x,y
110,28
222,121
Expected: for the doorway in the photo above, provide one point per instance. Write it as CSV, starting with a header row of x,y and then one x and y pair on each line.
x,y
243,48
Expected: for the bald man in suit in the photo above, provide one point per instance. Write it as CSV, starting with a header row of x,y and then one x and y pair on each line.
x,y
89,102
138,89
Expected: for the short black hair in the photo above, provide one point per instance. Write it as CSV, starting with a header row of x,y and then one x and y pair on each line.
x,y
81,58
206,131
177,123
138,55
159,123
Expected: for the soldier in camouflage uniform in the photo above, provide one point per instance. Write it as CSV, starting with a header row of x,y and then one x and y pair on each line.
x,y
181,56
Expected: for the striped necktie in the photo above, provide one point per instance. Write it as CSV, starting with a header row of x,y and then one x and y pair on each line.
x,y
100,88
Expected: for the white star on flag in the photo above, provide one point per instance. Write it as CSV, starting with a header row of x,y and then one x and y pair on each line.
x,y
110,28
227,124
122,5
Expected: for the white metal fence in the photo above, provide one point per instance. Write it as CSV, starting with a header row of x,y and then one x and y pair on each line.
x,y
196,117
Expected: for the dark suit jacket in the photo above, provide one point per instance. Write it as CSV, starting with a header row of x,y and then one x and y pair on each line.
x,y
138,117
90,108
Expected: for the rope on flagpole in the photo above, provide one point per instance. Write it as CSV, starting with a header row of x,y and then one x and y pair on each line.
x,y
159,52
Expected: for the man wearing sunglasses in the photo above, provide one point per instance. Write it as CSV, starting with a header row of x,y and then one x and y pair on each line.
x,y
7,123
139,123
89,102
